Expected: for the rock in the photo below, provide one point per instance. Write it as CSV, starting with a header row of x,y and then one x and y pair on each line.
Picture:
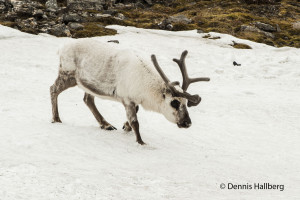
x,y
265,27
249,28
236,64
38,13
84,14
200,31
68,32
110,12
32,22
51,14
85,5
278,29
296,25
214,38
11,16
200,23
5,6
169,27
163,24
254,29
192,3
139,5
119,5
27,23
45,16
24,10
100,26
60,30
129,5
52,23
51,4
71,18
149,2
271,35
120,16
114,41
51,10
2,7
75,26
44,30
99,16
179,19
109,3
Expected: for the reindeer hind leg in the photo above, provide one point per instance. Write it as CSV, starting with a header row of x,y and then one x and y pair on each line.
x,y
65,80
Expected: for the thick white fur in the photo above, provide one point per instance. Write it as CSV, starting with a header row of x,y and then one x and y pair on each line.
x,y
119,74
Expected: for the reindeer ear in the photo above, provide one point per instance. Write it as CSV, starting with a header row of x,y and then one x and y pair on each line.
x,y
196,100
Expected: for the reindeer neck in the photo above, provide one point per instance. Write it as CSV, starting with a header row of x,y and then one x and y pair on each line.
x,y
154,95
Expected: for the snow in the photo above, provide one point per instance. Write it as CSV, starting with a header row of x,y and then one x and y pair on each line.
x,y
245,130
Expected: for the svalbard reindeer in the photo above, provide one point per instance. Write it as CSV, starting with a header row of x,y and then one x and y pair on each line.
x,y
120,75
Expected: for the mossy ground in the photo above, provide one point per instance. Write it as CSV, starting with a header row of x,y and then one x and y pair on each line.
x,y
93,29
221,16
8,23
241,46
225,17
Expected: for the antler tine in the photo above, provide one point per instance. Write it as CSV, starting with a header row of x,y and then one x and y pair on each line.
x,y
164,77
160,71
181,64
186,79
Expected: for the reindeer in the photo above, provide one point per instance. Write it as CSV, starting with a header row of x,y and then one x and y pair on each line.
x,y
123,76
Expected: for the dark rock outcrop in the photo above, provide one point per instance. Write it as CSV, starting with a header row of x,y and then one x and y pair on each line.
x,y
265,27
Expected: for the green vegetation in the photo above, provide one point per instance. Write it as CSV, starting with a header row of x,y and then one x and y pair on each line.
x,y
241,46
93,29
182,26
8,23
225,17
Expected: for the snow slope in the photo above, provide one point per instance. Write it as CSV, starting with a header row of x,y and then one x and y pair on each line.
x,y
245,130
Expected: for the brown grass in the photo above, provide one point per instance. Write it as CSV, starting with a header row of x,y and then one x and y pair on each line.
x,y
93,29
241,46
221,16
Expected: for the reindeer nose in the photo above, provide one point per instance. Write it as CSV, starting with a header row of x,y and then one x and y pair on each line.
x,y
187,124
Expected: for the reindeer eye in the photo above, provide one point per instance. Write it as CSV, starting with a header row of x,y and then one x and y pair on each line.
x,y
175,104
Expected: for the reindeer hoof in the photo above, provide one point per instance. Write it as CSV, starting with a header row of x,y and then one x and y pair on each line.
x,y
108,127
111,128
56,120
127,127
141,142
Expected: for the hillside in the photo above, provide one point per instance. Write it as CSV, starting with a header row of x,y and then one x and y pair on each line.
x,y
245,130
272,22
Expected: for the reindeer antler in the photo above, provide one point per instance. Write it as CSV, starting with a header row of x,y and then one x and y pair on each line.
x,y
186,80
193,100
163,76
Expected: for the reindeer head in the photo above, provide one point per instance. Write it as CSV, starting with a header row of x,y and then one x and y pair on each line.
x,y
174,108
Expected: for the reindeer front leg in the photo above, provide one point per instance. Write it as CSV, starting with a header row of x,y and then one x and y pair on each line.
x,y
133,121
126,126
